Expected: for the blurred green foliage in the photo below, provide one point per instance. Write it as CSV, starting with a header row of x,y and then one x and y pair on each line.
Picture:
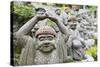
x,y
92,51
92,9
22,13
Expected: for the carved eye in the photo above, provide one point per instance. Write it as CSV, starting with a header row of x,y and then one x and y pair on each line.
x,y
50,38
42,38
46,38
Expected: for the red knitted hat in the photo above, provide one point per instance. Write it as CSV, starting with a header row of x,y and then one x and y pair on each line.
x,y
45,30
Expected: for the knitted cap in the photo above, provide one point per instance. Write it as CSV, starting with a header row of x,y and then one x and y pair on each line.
x,y
45,30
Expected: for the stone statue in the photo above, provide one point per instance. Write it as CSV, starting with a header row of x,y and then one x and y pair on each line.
x,y
46,45
75,42
41,48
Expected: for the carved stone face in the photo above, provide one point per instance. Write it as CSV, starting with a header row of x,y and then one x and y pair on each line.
x,y
72,24
46,43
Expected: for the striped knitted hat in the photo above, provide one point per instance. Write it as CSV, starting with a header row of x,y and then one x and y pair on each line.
x,y
45,30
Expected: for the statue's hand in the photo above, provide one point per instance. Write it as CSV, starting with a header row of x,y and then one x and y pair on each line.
x,y
52,16
41,17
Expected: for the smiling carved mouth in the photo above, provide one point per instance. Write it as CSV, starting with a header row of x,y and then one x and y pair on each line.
x,y
46,48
